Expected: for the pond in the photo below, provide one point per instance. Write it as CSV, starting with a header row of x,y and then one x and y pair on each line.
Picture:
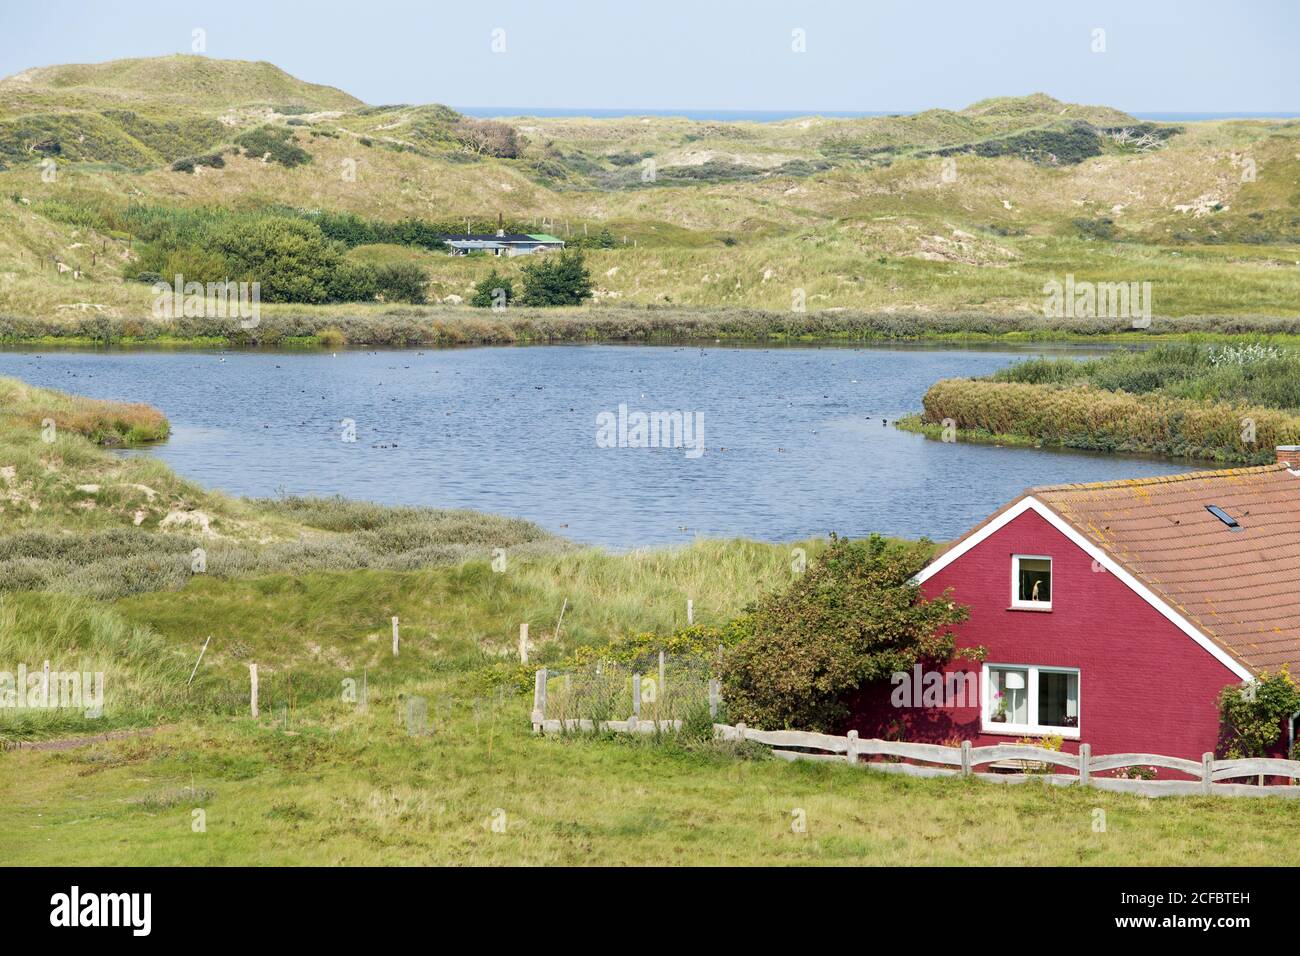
x,y
795,442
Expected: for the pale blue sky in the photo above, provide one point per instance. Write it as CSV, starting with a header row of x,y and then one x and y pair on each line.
x,y
1161,55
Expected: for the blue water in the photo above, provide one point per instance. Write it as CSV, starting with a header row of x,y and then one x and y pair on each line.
x,y
793,437
771,116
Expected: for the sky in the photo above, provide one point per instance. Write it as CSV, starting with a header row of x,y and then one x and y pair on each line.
x,y
858,55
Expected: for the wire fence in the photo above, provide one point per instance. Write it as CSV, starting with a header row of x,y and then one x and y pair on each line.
x,y
656,687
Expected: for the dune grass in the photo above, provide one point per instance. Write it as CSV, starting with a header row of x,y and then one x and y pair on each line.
x,y
1234,402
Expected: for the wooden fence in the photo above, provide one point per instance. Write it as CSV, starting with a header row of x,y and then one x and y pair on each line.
x,y
936,760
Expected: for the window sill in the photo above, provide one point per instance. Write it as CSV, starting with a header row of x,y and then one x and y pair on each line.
x,y
1040,609
1068,733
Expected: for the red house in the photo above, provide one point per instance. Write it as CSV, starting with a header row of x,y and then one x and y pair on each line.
x,y
1112,613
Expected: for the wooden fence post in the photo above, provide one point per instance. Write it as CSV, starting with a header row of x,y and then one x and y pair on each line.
x,y
539,700
690,612
851,753
965,758
636,695
1207,771
252,680
740,731
659,691
713,697
395,639
1085,755
523,643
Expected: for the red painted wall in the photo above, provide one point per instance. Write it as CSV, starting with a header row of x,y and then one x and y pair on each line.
x,y
1144,685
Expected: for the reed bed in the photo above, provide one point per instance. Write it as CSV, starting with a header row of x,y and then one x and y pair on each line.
x,y
1084,416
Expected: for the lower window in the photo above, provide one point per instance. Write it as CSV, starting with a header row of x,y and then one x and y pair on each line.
x,y
1025,698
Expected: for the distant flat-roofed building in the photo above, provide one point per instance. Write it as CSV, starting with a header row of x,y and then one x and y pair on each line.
x,y
501,243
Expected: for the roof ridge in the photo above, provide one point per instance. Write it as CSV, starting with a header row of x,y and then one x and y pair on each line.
x,y
1157,479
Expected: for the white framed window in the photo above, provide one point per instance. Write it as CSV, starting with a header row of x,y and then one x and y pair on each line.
x,y
1027,699
1031,581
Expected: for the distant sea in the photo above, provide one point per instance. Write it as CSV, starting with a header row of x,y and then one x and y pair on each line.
x,y
771,116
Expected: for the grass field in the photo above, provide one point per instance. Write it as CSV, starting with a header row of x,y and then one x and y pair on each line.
x,y
355,789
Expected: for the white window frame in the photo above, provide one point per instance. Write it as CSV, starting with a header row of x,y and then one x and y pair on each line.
x,y
1015,581
1032,728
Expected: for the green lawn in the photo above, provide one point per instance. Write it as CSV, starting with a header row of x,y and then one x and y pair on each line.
x,y
340,787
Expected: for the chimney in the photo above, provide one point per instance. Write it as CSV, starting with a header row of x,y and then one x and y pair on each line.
x,y
1288,455
501,229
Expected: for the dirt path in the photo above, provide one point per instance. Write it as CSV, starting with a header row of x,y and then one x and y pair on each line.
x,y
71,743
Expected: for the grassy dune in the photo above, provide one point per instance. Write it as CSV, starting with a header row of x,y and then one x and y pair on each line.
x,y
857,215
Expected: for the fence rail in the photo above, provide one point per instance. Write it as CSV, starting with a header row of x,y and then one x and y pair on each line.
x,y
937,760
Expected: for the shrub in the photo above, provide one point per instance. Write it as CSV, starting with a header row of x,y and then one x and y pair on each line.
x,y
276,144
402,282
291,258
491,289
487,137
853,616
1251,716
556,280
332,338
187,164
354,282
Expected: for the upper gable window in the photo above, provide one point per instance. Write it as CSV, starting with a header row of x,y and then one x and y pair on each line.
x,y
1031,581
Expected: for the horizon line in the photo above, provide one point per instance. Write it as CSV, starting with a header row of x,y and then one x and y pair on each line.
x,y
685,110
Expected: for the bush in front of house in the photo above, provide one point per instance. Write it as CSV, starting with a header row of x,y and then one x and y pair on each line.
x,y
492,288
1251,716
852,617
556,280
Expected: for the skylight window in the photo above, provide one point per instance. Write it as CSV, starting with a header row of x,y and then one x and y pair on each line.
x,y
1223,516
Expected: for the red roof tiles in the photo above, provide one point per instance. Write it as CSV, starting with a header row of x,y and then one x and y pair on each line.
x,y
1241,588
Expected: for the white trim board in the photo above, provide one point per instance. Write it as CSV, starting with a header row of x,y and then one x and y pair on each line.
x,y
1030,503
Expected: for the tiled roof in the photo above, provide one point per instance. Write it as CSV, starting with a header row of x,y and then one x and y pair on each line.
x,y
1241,588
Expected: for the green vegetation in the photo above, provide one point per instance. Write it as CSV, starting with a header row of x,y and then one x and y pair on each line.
x,y
556,280
370,325
291,259
1232,403
1253,715
852,617
493,291
273,144
1248,372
